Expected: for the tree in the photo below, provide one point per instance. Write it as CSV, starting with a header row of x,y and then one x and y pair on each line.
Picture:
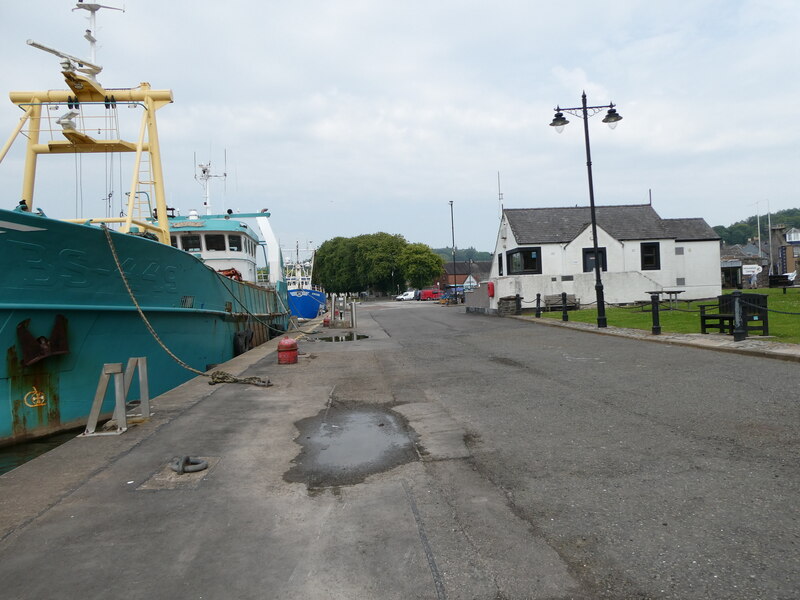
x,y
379,261
335,266
462,254
376,261
742,232
420,265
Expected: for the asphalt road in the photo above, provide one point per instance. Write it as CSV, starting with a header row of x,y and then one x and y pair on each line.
x,y
653,471
544,463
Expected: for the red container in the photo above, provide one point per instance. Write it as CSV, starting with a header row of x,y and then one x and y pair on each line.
x,y
287,351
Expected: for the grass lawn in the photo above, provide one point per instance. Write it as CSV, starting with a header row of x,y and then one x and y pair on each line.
x,y
782,327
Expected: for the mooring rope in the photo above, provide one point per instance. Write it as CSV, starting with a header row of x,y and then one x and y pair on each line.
x,y
216,376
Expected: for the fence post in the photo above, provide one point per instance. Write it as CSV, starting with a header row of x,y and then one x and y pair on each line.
x,y
538,306
564,315
739,330
656,318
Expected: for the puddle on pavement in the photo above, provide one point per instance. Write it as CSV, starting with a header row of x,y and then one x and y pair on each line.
x,y
344,445
345,337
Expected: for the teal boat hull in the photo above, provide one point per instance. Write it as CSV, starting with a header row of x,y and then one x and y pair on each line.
x,y
65,312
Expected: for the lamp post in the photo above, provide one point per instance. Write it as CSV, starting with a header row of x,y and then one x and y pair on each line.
x,y
453,231
611,118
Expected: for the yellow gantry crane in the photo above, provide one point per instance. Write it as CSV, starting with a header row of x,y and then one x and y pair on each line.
x,y
85,92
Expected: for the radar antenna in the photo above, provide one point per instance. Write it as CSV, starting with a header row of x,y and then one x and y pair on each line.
x,y
89,35
203,178
73,63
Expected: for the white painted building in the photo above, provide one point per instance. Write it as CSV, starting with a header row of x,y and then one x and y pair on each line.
x,y
550,250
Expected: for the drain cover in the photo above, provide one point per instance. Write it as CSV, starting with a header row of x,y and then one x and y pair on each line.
x,y
342,446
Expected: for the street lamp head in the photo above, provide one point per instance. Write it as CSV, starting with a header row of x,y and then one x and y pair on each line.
x,y
612,117
559,121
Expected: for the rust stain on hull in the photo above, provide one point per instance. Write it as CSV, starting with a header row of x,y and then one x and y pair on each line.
x,y
29,420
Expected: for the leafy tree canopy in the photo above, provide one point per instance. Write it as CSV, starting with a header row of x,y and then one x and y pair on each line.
x,y
379,261
462,255
420,265
743,231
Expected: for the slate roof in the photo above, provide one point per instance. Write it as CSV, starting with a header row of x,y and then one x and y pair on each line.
x,y
479,269
626,222
739,251
686,230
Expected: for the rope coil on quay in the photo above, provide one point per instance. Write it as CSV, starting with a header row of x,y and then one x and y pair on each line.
x,y
188,464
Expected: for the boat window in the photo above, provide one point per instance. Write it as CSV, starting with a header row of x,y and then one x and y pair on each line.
x,y
174,241
235,243
191,243
215,242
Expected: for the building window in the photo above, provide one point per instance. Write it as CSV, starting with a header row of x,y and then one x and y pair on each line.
x,y
588,259
500,265
796,251
525,260
215,242
235,243
191,243
651,256
174,241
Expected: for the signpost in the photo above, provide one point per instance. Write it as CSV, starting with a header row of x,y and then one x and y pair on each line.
x,y
751,269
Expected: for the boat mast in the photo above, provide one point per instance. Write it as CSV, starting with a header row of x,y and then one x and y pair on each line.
x,y
205,175
89,35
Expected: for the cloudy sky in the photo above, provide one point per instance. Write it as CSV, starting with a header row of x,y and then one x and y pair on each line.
x,y
346,117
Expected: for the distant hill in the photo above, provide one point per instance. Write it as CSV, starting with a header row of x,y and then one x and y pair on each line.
x,y
743,231
462,254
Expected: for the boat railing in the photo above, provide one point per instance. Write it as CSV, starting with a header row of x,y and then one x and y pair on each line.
x,y
121,220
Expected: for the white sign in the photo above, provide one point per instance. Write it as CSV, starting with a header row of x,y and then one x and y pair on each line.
x,y
751,269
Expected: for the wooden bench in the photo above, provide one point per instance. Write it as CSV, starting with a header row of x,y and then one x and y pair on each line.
x,y
720,316
776,281
554,302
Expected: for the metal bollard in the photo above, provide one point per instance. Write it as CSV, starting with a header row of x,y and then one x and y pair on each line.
x,y
564,315
739,330
517,304
538,306
656,320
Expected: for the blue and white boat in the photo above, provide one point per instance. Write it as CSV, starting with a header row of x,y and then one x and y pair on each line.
x,y
77,294
305,301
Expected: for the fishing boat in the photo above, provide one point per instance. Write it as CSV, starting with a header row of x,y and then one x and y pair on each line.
x,y
305,301
180,291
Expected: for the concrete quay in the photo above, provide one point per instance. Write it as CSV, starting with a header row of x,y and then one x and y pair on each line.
x,y
106,517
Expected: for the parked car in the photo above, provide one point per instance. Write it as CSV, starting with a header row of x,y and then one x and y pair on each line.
x,y
406,295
